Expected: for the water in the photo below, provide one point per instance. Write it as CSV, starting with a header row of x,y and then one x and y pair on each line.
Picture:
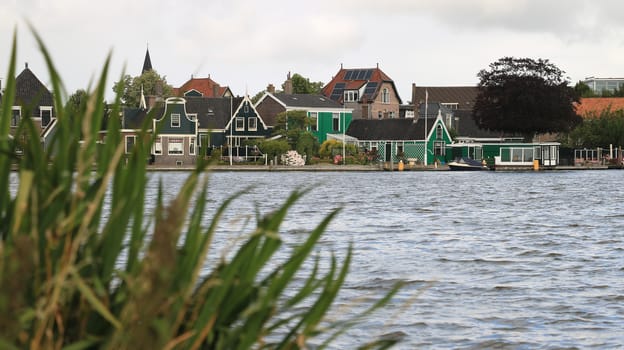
x,y
493,260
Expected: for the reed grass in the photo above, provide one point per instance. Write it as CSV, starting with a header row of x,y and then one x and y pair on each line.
x,y
73,276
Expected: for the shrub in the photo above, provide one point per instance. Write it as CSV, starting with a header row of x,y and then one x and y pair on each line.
x,y
75,277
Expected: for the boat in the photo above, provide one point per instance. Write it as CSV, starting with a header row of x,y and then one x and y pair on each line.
x,y
465,163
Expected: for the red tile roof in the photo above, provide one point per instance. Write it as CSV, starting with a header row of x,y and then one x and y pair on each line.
x,y
355,78
592,107
206,86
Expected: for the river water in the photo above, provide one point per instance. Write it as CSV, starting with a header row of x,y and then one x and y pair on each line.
x,y
493,260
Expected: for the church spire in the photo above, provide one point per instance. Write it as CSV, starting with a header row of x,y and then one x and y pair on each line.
x,y
147,63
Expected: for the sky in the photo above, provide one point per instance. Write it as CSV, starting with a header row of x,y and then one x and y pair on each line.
x,y
248,44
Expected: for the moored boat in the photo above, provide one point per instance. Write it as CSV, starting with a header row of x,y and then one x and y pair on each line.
x,y
465,163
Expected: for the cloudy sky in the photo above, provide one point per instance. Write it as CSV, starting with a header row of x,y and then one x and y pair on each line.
x,y
247,44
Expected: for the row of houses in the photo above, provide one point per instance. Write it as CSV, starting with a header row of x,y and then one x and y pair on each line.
x,y
360,106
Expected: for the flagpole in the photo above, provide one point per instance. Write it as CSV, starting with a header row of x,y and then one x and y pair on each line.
x,y
426,108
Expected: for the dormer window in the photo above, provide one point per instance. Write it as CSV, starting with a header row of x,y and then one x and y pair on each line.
x,y
351,96
175,120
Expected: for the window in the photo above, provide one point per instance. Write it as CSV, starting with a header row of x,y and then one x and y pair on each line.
x,y
439,134
176,146
246,108
175,120
313,121
351,96
453,106
391,114
385,96
45,113
15,116
158,146
252,124
192,146
240,124
130,141
379,115
336,121
438,148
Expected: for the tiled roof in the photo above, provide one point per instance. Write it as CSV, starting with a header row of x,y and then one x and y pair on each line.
x,y
212,112
389,129
464,96
206,86
307,101
592,107
353,79
30,91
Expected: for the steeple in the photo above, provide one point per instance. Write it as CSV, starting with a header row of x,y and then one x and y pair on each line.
x,y
147,63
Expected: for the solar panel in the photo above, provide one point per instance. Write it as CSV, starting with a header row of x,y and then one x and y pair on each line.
x,y
370,89
337,92
369,73
348,75
361,74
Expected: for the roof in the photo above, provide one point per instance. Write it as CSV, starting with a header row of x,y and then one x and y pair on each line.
x,y
147,63
464,96
212,112
465,126
389,129
30,91
306,101
370,79
204,86
589,107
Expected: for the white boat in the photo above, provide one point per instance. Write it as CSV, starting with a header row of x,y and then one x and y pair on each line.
x,y
465,163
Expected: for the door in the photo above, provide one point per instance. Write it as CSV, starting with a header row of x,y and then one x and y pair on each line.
x,y
388,152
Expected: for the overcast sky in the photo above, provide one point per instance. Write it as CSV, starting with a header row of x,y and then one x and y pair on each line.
x,y
247,44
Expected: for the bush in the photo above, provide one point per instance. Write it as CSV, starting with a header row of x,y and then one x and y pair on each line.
x,y
75,277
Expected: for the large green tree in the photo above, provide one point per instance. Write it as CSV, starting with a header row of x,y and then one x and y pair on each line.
x,y
525,96
302,85
601,130
152,83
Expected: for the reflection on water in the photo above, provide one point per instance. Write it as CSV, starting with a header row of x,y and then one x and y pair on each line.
x,y
494,260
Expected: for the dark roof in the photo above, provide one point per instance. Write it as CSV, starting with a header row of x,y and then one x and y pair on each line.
x,y
212,112
432,109
30,91
133,118
147,63
307,101
355,79
389,129
466,127
464,96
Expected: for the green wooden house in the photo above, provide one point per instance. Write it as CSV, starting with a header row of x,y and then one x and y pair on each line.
x,y
326,116
393,140
176,143
245,125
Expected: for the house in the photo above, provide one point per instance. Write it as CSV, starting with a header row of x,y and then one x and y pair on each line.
x,y
33,100
326,116
176,129
600,85
369,92
202,87
395,139
508,154
245,126
213,114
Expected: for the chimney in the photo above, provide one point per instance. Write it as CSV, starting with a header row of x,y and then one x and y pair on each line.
x,y
288,85
270,88
26,64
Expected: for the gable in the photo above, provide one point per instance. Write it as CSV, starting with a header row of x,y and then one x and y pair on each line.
x,y
175,120
368,81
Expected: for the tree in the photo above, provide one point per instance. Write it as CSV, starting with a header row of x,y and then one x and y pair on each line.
x,y
293,125
583,90
303,85
152,83
601,130
526,96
